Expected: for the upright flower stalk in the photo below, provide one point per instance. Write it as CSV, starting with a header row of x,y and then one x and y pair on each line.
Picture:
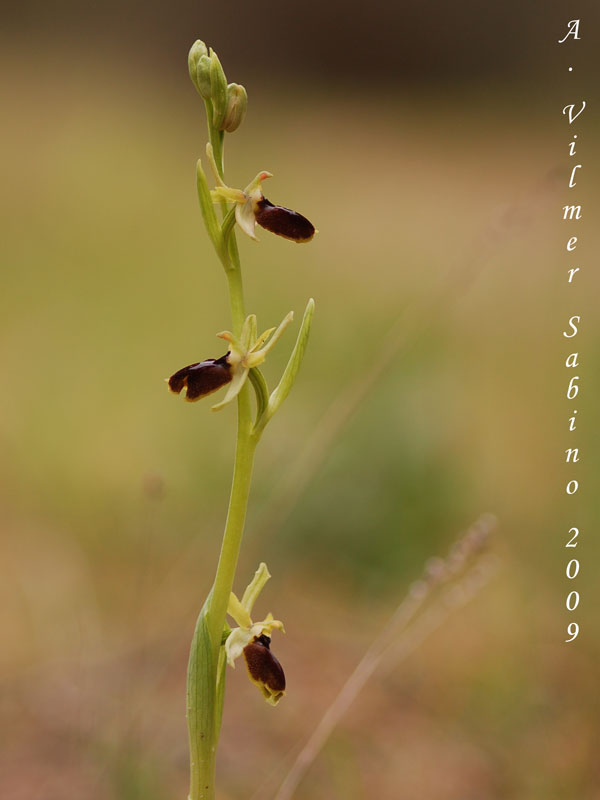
x,y
215,644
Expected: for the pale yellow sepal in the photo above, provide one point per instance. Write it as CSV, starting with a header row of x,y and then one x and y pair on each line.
x,y
245,201
239,613
227,194
255,587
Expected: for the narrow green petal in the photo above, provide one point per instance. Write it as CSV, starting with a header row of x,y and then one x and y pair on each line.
x,y
276,336
248,332
260,340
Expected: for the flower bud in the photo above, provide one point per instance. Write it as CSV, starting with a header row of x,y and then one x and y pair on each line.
x,y
203,77
237,103
218,90
197,50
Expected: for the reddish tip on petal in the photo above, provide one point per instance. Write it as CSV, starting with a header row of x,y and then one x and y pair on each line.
x,y
284,222
202,378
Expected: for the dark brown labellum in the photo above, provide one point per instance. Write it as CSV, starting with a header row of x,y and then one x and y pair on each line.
x,y
264,669
284,222
202,378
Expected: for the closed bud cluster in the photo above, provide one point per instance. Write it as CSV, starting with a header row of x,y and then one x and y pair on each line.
x,y
229,101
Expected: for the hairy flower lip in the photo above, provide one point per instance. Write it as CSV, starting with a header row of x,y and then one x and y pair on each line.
x,y
283,221
202,378
264,670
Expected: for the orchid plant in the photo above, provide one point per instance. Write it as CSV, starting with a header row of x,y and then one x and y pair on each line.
x,y
215,644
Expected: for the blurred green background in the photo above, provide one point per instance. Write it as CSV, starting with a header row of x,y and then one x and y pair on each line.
x,y
427,145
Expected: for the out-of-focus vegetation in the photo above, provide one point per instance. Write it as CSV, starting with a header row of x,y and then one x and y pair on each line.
x,y
440,240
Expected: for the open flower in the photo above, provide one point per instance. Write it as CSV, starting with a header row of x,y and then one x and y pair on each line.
x,y
251,207
248,351
244,353
253,640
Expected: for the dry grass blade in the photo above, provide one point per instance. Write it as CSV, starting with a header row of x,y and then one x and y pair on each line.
x,y
447,585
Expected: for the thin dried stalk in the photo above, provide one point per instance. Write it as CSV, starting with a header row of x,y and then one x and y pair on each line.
x,y
447,585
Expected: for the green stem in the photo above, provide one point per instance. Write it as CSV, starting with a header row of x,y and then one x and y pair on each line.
x,y
236,516
206,666
236,299
240,488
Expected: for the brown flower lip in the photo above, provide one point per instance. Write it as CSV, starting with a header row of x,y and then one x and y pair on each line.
x,y
283,221
202,378
264,669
